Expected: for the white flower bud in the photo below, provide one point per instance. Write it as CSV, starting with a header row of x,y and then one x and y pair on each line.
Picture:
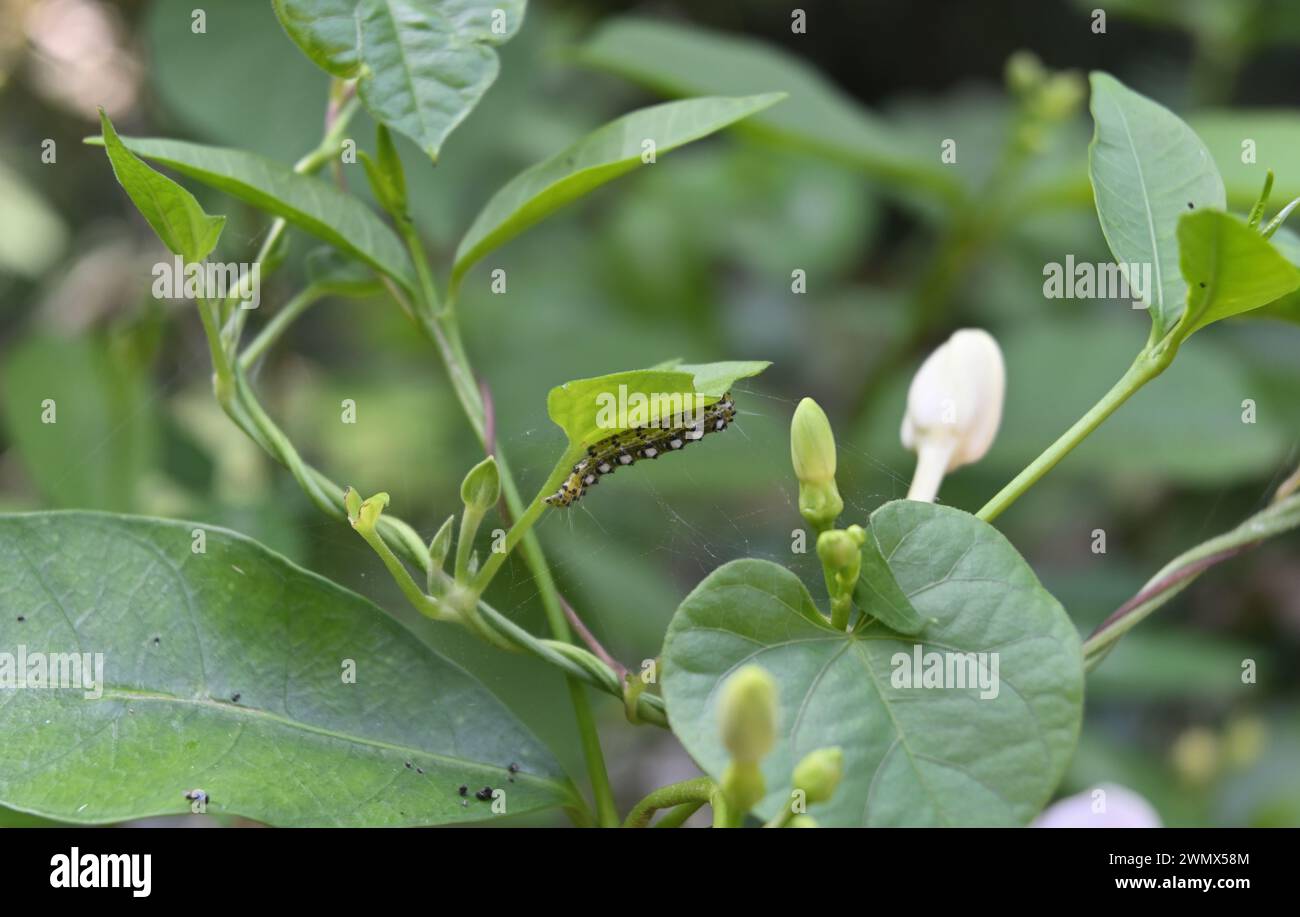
x,y
953,408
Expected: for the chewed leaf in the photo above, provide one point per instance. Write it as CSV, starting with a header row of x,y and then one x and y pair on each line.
x,y
590,410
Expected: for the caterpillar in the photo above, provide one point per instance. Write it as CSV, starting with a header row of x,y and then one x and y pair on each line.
x,y
648,442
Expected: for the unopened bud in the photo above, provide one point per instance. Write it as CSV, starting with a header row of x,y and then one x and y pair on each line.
x,y
954,407
482,486
812,452
747,713
819,773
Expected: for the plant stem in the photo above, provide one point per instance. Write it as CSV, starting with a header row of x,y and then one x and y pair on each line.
x,y
278,324
1278,517
524,521
1150,362
697,791
677,817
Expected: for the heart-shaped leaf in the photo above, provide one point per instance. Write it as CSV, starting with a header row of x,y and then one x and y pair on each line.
x,y
1148,168
1229,268
421,65
226,668
912,755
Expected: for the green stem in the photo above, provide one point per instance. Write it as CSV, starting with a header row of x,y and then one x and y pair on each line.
x,y
1151,362
428,289
469,523
697,792
278,324
332,140
677,816
426,605
223,380
1278,517
841,606
525,521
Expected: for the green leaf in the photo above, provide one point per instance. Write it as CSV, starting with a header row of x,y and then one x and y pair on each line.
x,y
225,671
681,60
1147,169
421,65
878,594
171,210
1285,308
928,756
308,203
576,407
1229,269
603,155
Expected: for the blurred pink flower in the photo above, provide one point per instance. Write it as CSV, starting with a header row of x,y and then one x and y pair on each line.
x,y
1106,806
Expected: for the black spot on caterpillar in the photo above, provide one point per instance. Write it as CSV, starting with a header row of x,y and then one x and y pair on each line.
x,y
648,442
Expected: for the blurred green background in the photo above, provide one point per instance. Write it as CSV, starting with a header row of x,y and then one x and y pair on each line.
x,y
691,259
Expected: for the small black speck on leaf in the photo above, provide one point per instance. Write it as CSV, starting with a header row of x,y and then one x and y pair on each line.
x,y
513,768
464,790
419,770
21,619
1202,284
234,698
484,794
157,640
408,765
1191,206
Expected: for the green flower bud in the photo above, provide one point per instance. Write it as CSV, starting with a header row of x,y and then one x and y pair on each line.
x,y
819,773
482,486
1024,72
812,452
742,784
839,551
368,513
1061,96
747,713
803,821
